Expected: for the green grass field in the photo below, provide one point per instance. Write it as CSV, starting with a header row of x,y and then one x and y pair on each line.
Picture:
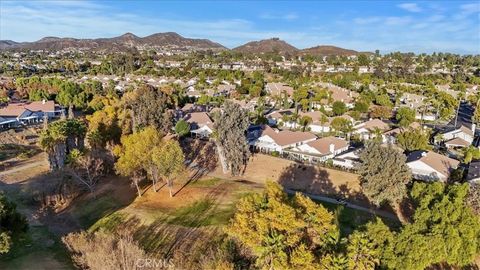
x,y
37,247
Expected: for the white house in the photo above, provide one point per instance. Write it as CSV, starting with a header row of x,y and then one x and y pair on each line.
x,y
367,130
29,112
458,137
274,140
390,136
321,149
276,117
431,166
201,125
348,159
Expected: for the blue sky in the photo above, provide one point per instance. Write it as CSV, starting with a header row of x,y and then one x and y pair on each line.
x,y
420,26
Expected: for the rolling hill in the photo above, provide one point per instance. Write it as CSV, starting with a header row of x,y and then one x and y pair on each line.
x,y
267,46
327,50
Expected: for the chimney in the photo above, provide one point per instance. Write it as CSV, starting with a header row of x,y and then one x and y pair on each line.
x,y
331,148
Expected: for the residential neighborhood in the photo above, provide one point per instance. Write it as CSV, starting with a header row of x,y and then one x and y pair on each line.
x,y
239,135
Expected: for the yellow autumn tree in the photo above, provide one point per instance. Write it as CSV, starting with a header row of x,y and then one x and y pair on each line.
x,y
283,232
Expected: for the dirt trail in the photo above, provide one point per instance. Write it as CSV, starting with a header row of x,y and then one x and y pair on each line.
x,y
21,168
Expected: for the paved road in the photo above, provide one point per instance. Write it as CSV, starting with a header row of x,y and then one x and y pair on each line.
x,y
380,213
464,115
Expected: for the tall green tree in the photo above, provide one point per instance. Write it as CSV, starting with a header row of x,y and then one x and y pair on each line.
x,y
230,137
304,121
339,108
150,108
384,174
340,124
413,139
405,116
444,230
361,252
60,138
469,153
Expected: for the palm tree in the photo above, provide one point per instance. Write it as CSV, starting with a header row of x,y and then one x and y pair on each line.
x,y
304,121
377,133
323,121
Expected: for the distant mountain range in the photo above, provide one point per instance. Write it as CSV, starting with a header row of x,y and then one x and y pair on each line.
x,y
123,42
169,40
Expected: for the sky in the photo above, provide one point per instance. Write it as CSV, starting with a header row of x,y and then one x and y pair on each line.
x,y
407,26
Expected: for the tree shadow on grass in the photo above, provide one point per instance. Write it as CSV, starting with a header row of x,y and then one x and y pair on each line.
x,y
201,159
186,230
307,178
316,180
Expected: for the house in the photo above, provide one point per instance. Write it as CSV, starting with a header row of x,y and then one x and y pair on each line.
x,y
412,101
431,166
473,175
6,123
276,117
273,140
336,93
367,130
28,113
348,159
321,149
390,136
201,125
246,105
319,125
225,89
190,107
419,105
458,137
278,89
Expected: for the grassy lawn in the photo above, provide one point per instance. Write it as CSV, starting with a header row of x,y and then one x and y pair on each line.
x,y
92,210
208,210
37,247
351,219
211,182
189,221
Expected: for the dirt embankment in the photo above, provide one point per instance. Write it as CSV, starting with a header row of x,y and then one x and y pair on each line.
x,y
25,136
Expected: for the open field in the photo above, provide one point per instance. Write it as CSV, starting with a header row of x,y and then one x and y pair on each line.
x,y
296,176
186,224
